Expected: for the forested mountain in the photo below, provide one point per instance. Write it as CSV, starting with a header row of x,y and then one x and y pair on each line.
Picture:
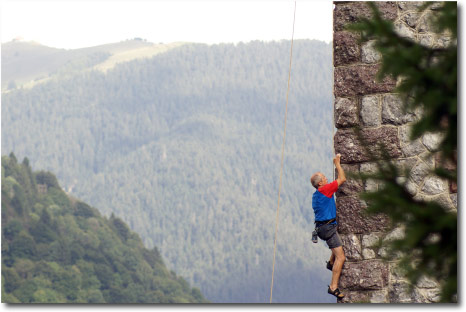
x,y
57,249
185,147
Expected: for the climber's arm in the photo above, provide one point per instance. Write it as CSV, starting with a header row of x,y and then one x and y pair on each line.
x,y
341,174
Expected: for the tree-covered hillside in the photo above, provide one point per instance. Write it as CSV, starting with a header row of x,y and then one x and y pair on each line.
x,y
185,147
57,249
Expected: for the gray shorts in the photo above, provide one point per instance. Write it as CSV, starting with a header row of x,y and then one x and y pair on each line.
x,y
329,234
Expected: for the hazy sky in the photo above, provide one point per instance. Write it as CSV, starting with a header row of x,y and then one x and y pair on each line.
x,y
76,24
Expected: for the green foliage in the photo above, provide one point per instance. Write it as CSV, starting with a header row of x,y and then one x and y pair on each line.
x,y
76,256
11,278
13,159
22,246
59,197
19,199
84,210
47,178
12,229
185,148
121,228
428,80
42,232
25,292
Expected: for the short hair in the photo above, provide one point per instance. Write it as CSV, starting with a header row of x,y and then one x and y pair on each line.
x,y
315,179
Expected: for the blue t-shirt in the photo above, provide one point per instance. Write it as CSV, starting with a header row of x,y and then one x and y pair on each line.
x,y
323,202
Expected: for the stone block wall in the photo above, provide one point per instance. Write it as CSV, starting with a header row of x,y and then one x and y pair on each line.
x,y
373,106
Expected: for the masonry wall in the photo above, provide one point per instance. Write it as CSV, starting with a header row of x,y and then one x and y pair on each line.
x,y
373,106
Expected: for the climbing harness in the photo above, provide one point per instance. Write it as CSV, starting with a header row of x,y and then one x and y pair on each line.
x,y
283,152
318,225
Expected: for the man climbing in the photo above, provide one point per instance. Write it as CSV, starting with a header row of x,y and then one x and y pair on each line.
x,y
323,203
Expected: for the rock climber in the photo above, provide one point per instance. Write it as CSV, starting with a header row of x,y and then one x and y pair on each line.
x,y
323,203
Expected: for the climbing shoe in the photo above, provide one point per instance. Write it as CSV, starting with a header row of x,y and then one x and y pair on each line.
x,y
329,266
337,293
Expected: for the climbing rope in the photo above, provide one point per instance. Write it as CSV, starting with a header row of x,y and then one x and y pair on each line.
x,y
283,152
333,105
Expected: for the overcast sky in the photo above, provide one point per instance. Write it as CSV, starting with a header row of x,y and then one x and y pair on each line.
x,y
77,24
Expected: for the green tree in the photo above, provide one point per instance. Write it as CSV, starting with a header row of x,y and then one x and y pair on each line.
x,y
11,279
76,256
428,80
25,293
121,227
83,210
19,201
23,246
47,178
12,229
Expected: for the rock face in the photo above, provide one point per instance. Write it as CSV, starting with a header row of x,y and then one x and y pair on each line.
x,y
434,186
351,186
346,48
352,247
392,112
354,148
346,113
350,12
360,80
352,219
364,275
371,111
369,54
368,112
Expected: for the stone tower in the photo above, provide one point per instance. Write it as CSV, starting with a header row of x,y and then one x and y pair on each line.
x,y
361,101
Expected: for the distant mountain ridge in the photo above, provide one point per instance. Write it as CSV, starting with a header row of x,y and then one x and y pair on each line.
x,y
25,64
185,148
